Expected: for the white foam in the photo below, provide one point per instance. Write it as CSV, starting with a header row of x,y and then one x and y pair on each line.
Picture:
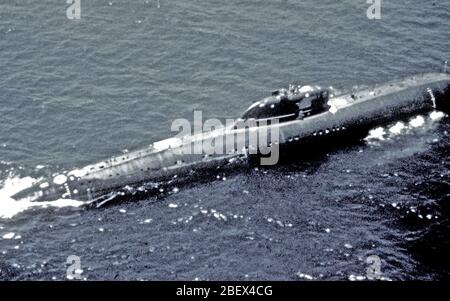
x,y
417,122
9,235
436,115
11,186
401,128
10,207
376,134
397,128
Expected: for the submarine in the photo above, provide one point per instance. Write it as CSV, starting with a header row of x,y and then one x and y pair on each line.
x,y
296,115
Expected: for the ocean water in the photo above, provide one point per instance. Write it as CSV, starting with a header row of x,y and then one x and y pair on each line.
x,y
73,92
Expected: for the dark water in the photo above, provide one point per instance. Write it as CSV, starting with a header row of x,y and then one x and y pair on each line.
x,y
74,92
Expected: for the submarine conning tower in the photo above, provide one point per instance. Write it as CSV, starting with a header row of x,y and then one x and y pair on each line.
x,y
427,91
289,104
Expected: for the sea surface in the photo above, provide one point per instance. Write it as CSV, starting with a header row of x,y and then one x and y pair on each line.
x,y
73,92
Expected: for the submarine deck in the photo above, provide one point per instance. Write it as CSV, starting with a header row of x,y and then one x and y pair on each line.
x,y
336,102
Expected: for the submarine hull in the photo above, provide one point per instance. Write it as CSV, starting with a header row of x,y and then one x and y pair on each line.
x,y
350,113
